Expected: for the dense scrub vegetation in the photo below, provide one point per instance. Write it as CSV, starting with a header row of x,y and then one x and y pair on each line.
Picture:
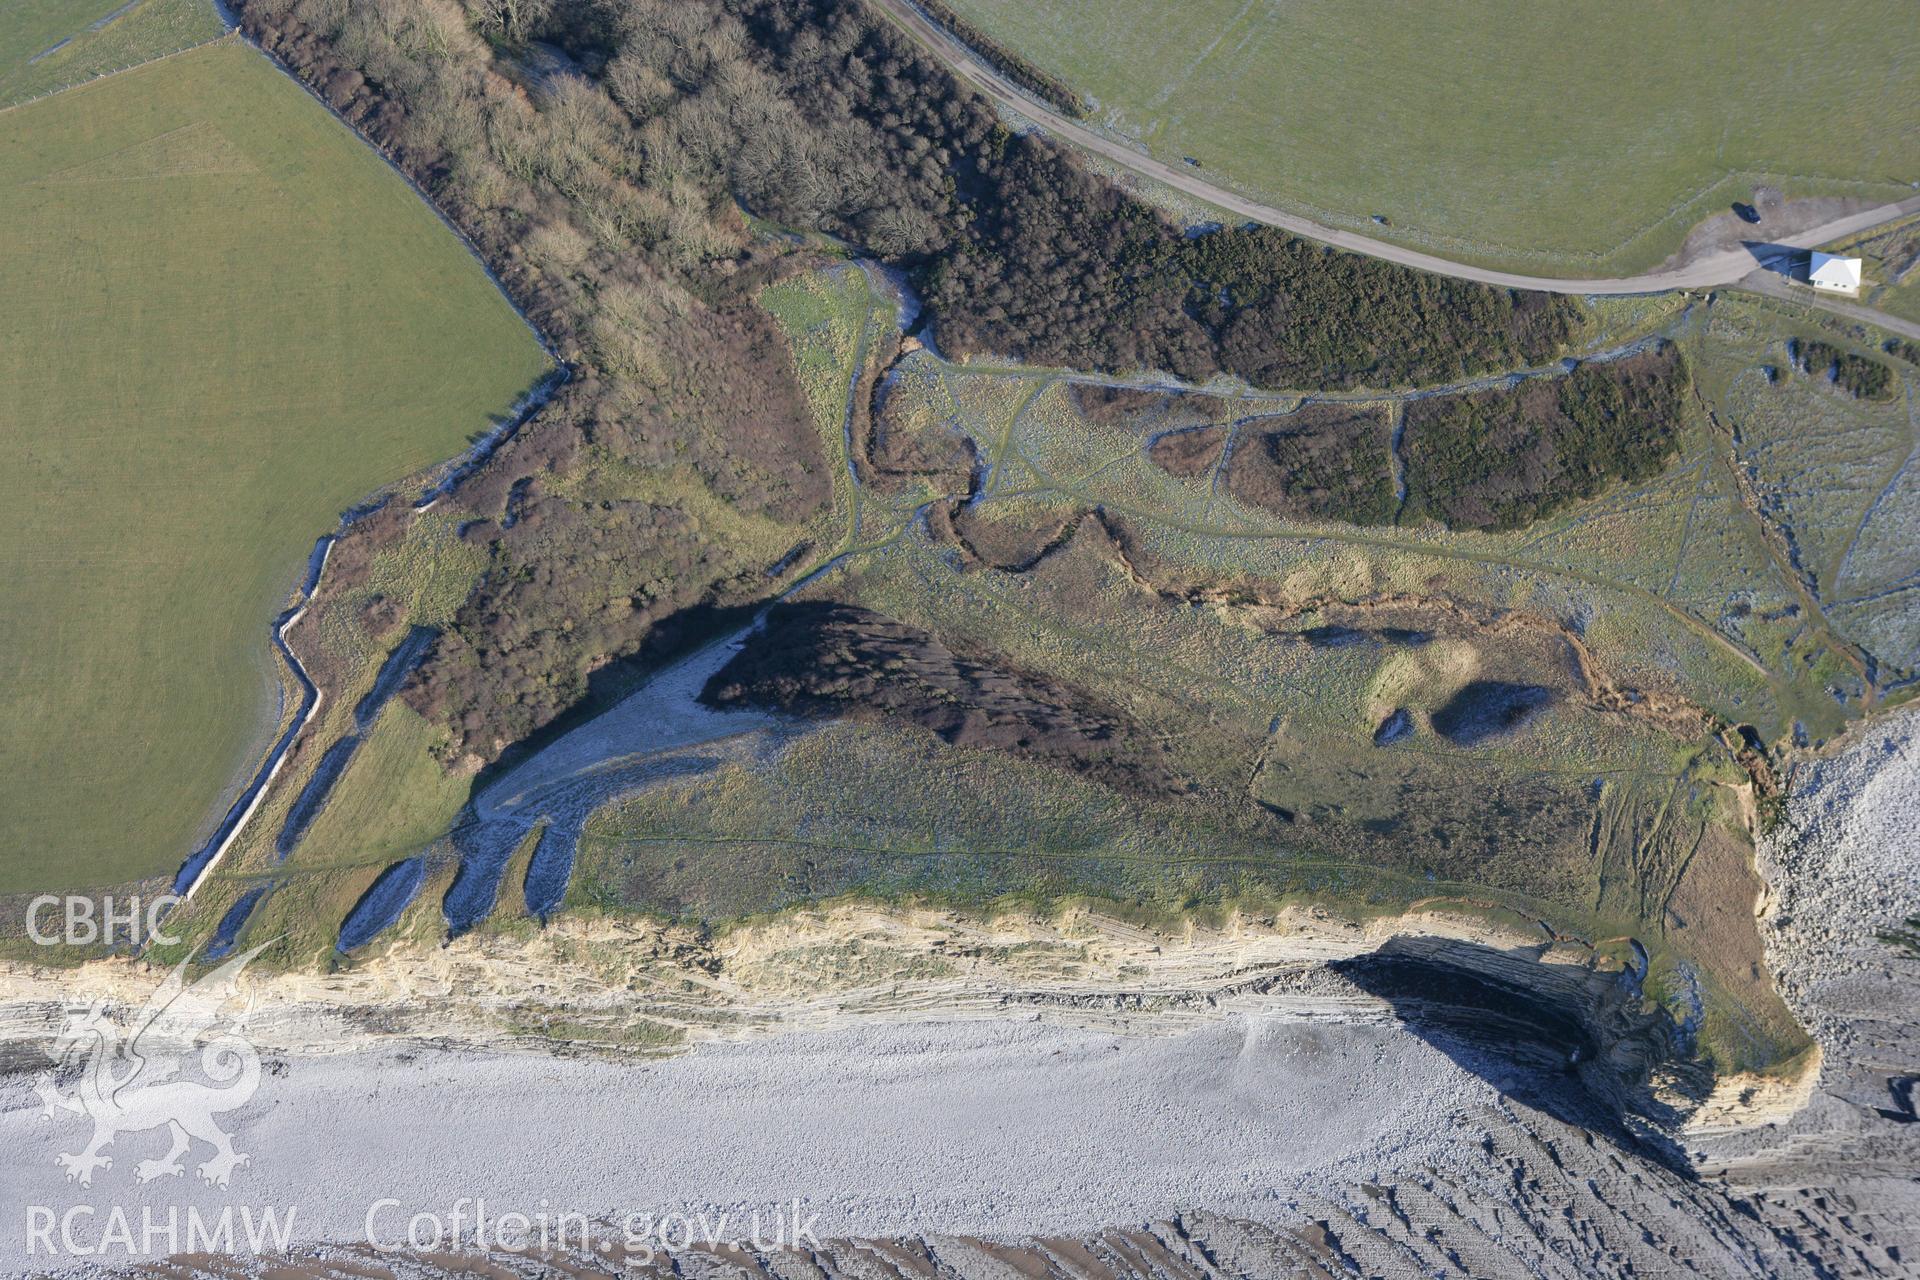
x,y
597,152
1023,252
1325,461
1290,313
1861,377
1132,406
1501,459
1191,452
817,659
603,213
1475,460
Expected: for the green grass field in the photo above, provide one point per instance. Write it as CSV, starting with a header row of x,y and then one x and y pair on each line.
x,y
1553,137
33,26
227,320
49,44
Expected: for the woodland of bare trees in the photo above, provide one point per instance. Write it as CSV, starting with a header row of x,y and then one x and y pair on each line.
x,y
598,194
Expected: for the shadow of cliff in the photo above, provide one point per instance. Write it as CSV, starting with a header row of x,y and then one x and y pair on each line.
x,y
1564,1039
671,639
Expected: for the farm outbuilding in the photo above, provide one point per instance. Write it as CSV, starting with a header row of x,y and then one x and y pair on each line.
x,y
1840,275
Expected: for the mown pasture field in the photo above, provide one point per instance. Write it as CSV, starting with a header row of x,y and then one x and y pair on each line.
x,y
34,26
1545,137
47,45
227,322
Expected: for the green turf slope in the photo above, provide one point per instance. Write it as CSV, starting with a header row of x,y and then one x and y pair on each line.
x,y
31,27
223,320
47,45
1560,137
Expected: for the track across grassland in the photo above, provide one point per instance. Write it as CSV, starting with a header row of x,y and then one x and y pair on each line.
x,y
1711,270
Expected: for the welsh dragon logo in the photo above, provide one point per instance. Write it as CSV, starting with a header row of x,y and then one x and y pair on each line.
x,y
128,1078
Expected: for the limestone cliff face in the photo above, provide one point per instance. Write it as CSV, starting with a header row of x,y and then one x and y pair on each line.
x,y
624,986
1573,1172
1610,1059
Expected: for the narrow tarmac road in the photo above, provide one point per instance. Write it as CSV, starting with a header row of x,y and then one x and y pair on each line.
x,y
1725,267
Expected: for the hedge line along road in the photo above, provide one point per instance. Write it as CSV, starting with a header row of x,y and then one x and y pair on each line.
x,y
1711,270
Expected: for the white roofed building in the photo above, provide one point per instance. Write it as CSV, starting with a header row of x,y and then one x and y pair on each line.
x,y
1837,275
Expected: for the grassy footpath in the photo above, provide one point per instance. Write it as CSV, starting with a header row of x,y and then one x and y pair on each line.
x,y
226,322
1546,137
